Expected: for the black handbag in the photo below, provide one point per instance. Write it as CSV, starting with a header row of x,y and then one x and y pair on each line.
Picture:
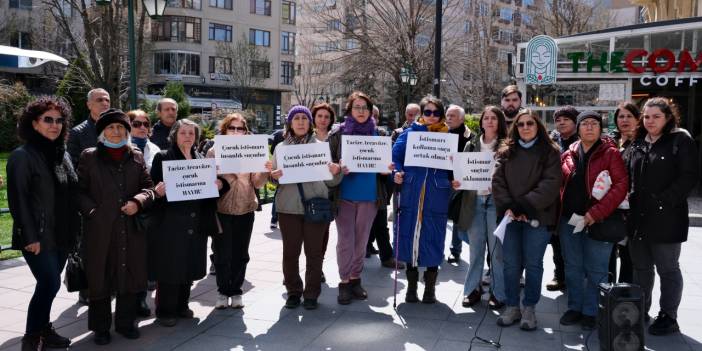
x,y
612,229
75,278
317,209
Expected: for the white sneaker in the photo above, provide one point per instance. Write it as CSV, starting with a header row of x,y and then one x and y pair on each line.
x,y
222,302
237,302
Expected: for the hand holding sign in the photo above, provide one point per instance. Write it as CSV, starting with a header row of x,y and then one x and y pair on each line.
x,y
241,154
431,150
366,154
473,170
304,163
190,179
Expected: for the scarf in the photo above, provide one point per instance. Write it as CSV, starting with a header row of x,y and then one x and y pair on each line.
x,y
528,145
139,142
439,127
352,127
291,139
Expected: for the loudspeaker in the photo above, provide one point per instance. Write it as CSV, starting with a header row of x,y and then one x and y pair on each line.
x,y
621,317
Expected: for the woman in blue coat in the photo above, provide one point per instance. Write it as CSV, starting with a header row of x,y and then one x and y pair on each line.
x,y
424,197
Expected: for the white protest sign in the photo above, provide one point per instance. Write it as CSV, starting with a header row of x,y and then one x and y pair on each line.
x,y
366,154
431,150
190,179
303,163
241,154
473,169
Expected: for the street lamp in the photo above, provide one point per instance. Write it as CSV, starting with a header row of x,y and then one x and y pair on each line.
x,y
407,76
153,8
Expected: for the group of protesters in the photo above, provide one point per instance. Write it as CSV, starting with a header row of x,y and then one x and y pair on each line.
x,y
598,198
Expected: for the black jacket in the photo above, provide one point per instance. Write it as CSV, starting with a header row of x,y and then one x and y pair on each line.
x,y
661,178
31,195
159,136
81,137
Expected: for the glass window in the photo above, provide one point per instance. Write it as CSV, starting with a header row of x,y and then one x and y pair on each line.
x,y
528,3
177,63
526,19
506,13
221,65
352,44
628,43
261,7
21,40
484,9
21,4
288,10
334,24
186,4
287,43
259,37
222,4
666,40
176,29
220,32
287,72
261,69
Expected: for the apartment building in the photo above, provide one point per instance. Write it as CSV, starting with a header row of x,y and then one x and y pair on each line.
x,y
184,47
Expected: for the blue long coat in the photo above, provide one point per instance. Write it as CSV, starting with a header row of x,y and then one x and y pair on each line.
x,y
426,248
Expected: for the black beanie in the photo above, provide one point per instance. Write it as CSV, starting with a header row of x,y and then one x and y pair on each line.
x,y
110,116
589,114
568,112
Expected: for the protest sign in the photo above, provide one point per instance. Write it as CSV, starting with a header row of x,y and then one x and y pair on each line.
x,y
431,150
241,154
190,179
366,154
473,169
303,163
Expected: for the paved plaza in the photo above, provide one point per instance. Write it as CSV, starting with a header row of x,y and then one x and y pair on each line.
x,y
264,324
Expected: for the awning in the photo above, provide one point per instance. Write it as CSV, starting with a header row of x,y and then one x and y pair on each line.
x,y
204,102
18,60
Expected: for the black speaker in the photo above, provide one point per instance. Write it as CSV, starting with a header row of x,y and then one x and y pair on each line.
x,y
621,317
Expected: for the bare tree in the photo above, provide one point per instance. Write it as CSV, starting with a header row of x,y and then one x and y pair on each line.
x,y
315,74
249,67
568,17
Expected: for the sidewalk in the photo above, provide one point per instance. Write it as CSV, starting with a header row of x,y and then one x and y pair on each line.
x,y
264,324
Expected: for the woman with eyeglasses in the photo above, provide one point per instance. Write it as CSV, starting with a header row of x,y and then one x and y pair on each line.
x,y
141,130
357,199
663,170
41,182
424,198
525,186
235,210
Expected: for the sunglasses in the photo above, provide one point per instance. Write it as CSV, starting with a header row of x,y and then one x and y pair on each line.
x,y
139,124
51,120
436,113
236,129
526,124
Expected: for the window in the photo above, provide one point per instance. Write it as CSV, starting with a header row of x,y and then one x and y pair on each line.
x,y
331,45
259,37
503,36
333,25
21,4
287,72
260,69
289,13
177,63
220,65
220,32
352,44
287,43
528,3
506,13
483,9
177,29
222,4
261,7
526,19
466,4
21,40
185,4
466,26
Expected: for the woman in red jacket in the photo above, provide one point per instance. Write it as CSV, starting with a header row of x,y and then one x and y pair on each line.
x,y
587,259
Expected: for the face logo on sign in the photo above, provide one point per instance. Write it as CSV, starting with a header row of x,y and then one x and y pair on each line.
x,y
542,54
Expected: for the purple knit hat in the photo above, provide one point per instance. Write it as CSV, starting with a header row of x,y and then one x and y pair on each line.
x,y
298,109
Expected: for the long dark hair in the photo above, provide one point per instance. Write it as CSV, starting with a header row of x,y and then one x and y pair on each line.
x,y
508,145
501,121
669,110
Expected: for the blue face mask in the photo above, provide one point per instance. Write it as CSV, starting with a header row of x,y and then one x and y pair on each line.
x,y
113,145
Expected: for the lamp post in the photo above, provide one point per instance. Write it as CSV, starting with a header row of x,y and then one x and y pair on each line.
x,y
154,9
407,76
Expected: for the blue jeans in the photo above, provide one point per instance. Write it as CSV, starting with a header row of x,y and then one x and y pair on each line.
x,y
456,242
586,265
274,214
46,268
524,247
480,232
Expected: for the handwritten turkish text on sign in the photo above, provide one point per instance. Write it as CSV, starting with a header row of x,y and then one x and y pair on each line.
x,y
366,154
190,179
241,154
303,163
431,150
473,169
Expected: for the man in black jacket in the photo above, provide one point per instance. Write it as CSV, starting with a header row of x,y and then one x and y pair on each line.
x,y
455,119
167,111
83,135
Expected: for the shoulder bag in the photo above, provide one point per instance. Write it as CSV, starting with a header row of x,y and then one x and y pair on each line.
x,y
317,209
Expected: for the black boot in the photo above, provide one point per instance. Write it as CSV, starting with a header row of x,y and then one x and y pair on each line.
x,y
33,342
357,290
429,285
52,340
143,309
412,279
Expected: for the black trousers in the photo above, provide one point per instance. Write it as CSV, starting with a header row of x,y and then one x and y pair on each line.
x,y
559,270
626,269
46,268
100,313
231,252
381,234
171,299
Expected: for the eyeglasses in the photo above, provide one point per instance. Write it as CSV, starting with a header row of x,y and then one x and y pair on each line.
x,y
139,124
51,120
589,124
436,113
526,124
236,129
360,108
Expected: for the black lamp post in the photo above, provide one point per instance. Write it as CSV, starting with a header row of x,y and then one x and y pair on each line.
x,y
407,76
